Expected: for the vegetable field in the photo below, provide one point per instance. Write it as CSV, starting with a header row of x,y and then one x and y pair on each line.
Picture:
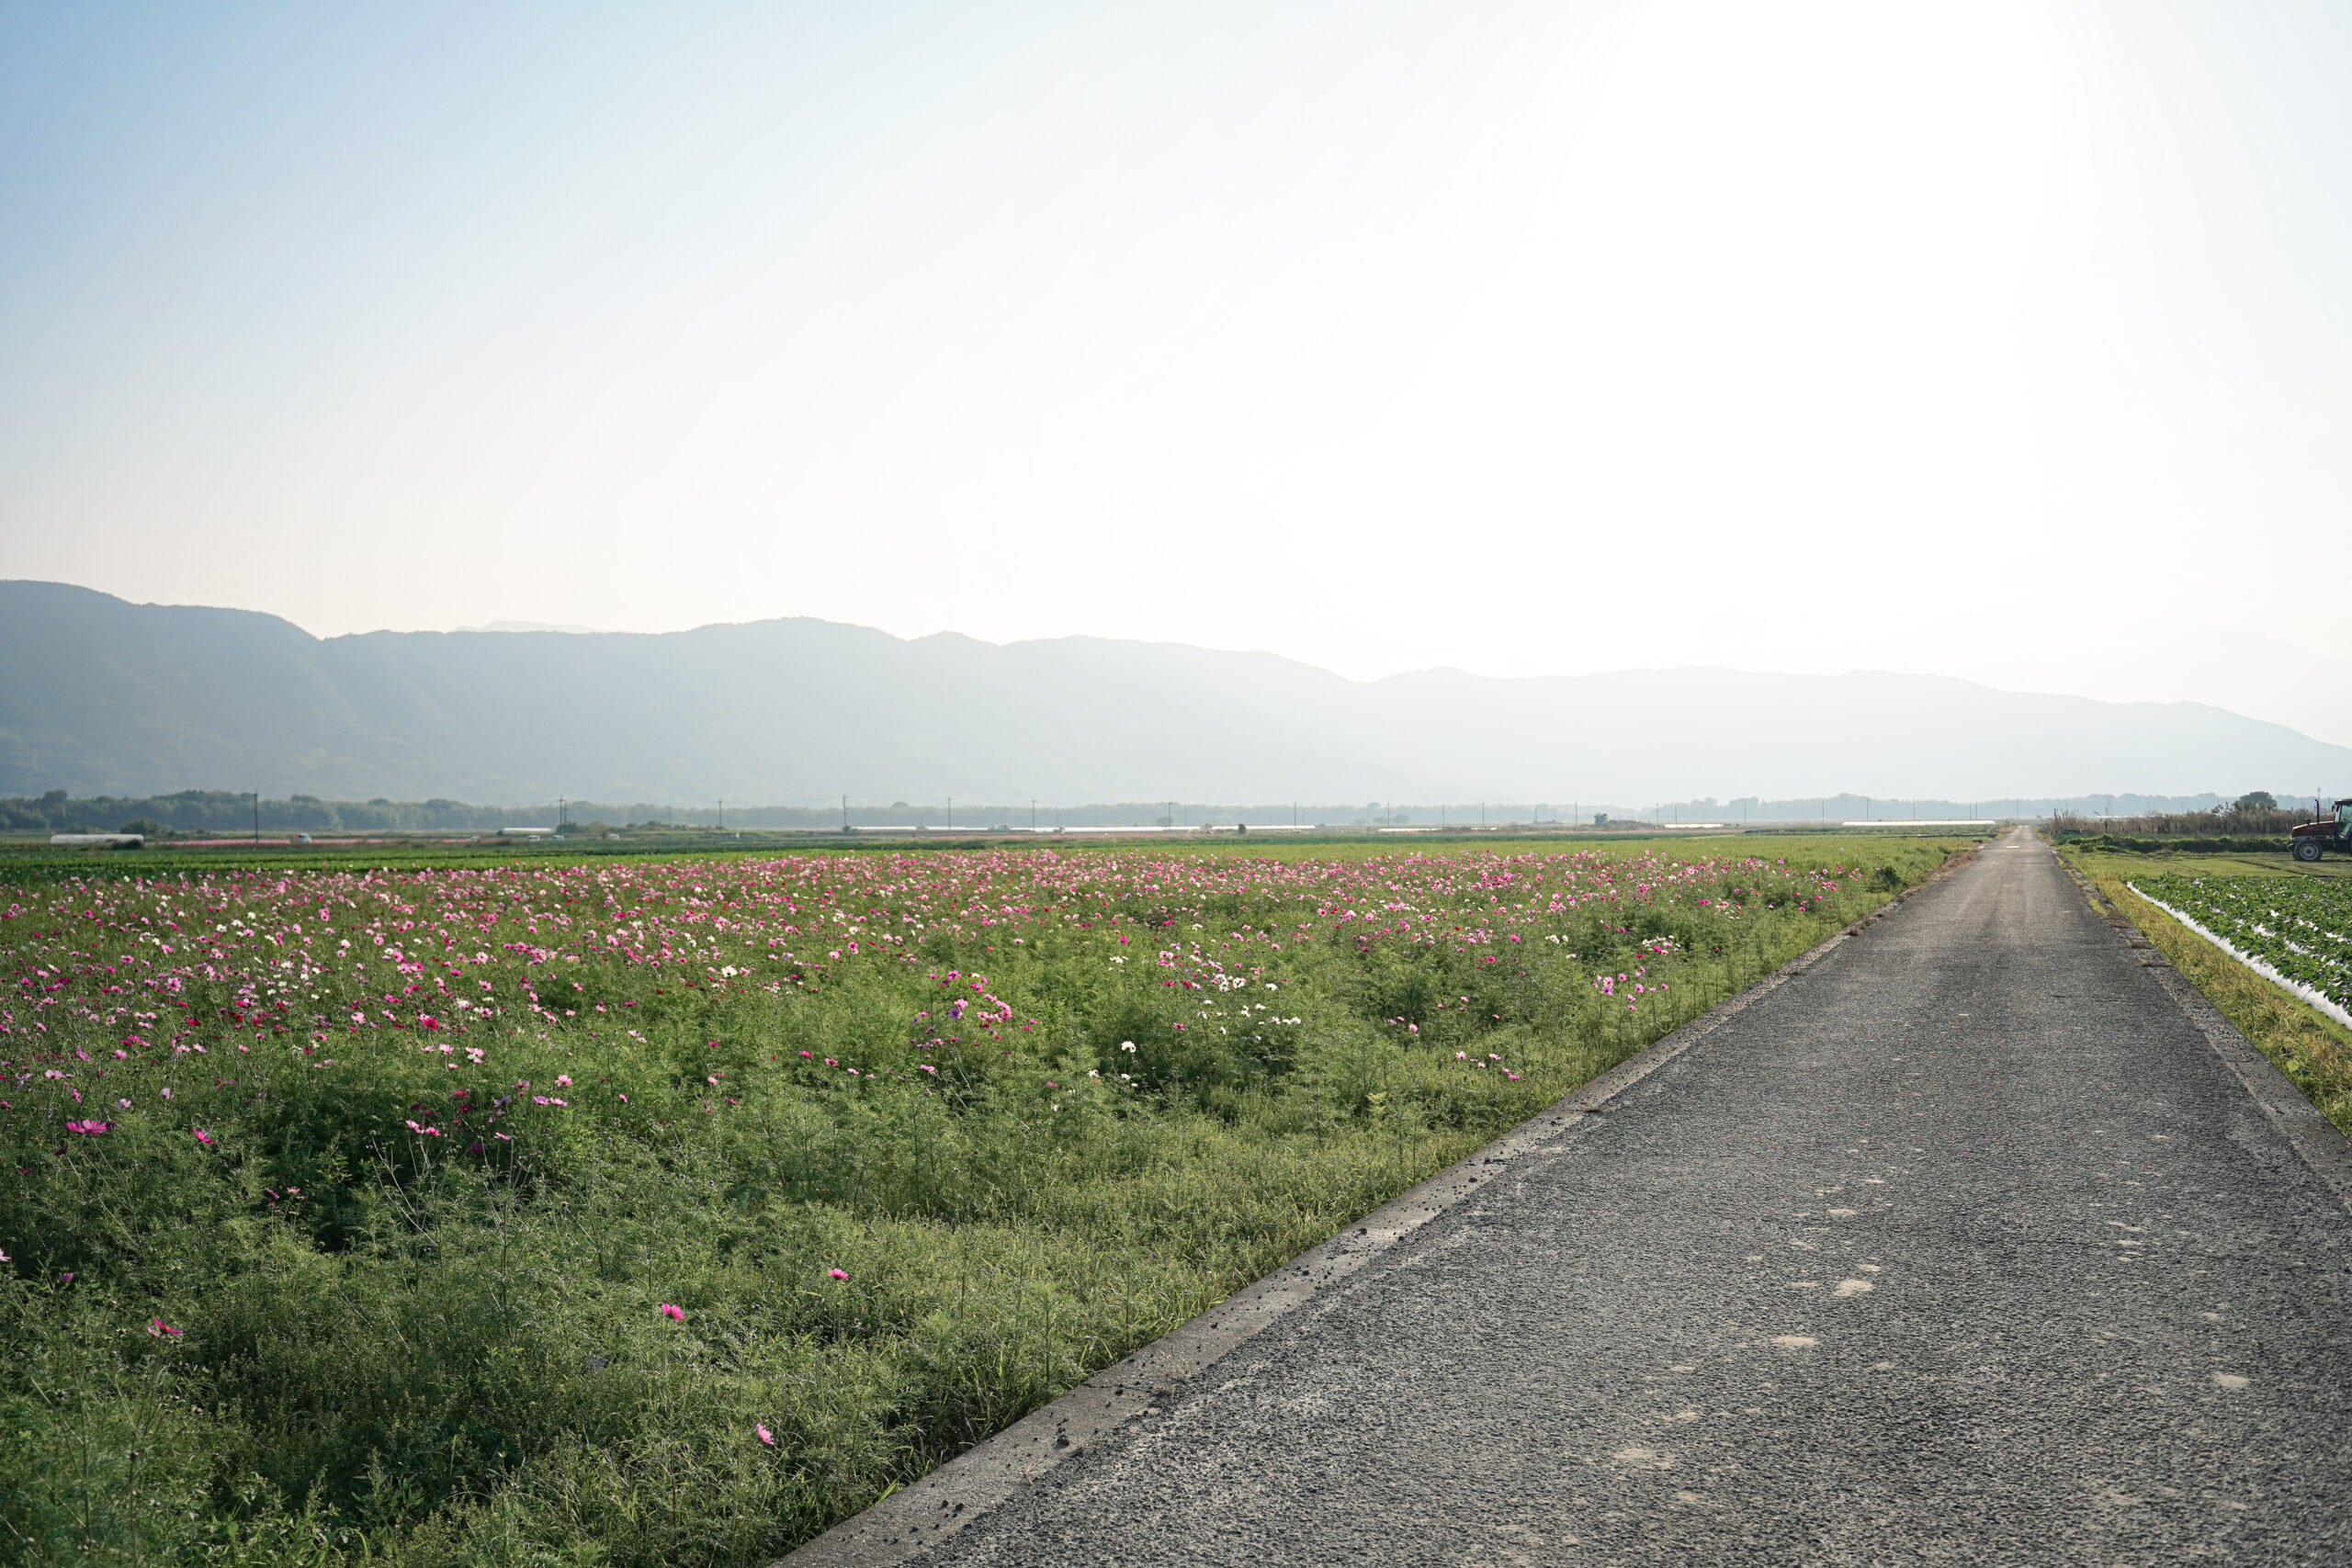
x,y
666,1212
2302,927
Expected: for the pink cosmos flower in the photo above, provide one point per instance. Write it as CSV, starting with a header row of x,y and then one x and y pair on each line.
x,y
158,1328
203,1137
837,1273
676,1315
765,1436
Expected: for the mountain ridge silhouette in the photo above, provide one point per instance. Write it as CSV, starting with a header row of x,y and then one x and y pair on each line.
x,y
100,696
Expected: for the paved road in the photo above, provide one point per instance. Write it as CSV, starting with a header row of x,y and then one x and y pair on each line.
x,y
1964,1245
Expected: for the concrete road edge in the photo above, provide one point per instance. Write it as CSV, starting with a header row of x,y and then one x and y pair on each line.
x,y
908,1522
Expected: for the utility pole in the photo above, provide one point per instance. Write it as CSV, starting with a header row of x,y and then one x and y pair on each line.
x,y
951,813
722,814
844,814
256,795
1033,813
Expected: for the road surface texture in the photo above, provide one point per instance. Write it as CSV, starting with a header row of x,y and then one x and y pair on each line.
x,y
1965,1244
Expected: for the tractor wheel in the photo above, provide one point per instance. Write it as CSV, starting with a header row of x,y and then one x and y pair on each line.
x,y
2307,849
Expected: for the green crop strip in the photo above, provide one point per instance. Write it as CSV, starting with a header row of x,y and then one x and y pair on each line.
x,y
2302,927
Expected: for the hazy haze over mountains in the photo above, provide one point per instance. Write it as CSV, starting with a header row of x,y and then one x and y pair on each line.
x,y
1532,339
100,696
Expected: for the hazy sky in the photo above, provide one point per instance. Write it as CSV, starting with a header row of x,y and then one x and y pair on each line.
x,y
1529,339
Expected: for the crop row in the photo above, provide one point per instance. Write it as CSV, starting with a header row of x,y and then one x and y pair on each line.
x,y
2300,926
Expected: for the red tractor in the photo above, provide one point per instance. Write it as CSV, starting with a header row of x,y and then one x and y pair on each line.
x,y
2322,834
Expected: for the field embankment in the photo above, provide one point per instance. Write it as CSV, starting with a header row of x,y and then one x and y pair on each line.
x,y
666,1212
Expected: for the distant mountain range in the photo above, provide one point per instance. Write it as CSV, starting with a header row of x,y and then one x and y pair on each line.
x,y
98,696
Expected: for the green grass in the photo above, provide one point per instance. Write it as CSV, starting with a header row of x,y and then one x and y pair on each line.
x,y
402,1337
29,859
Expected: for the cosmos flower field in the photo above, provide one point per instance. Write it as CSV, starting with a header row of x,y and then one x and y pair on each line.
x,y
668,1212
